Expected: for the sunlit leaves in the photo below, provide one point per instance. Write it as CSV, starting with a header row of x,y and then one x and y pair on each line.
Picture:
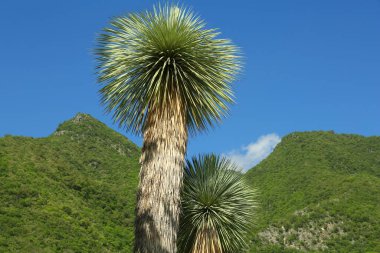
x,y
146,59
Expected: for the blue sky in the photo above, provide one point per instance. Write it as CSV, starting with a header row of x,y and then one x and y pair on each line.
x,y
309,65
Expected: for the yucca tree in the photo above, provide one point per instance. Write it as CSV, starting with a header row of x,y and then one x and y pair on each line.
x,y
163,75
217,207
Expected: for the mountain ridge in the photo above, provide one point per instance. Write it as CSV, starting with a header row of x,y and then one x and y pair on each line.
x,y
74,191
319,191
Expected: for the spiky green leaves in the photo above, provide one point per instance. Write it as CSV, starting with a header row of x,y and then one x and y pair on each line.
x,y
217,207
147,59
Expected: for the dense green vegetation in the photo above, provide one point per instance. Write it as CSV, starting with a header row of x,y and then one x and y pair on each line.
x,y
319,191
74,191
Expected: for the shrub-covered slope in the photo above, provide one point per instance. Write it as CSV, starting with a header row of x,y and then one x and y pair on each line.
x,y
319,191
73,191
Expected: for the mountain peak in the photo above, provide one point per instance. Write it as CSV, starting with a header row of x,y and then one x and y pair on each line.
x,y
80,117
83,127
81,123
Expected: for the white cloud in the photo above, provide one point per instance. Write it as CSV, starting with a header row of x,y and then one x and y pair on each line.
x,y
255,152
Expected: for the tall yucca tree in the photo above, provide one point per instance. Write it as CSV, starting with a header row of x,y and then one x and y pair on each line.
x,y
163,75
217,207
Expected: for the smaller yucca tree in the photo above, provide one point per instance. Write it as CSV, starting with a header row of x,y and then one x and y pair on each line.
x,y
217,207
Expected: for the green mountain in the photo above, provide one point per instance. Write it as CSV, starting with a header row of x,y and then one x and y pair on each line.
x,y
319,191
74,191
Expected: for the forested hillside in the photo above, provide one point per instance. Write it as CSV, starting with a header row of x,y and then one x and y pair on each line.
x,y
74,191
319,191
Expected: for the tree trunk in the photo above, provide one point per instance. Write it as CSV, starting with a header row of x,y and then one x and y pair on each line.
x,y
158,197
207,241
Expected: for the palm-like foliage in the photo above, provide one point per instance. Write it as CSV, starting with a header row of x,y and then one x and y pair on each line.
x,y
217,207
148,58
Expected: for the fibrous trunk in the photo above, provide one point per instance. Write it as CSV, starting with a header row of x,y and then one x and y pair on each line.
x,y
207,241
158,197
